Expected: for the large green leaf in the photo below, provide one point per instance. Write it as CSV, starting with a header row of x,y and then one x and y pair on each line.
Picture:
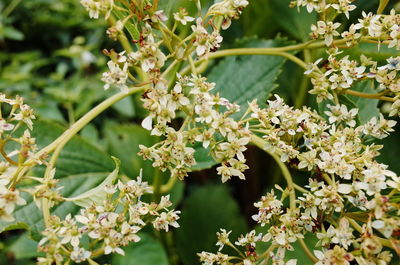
x,y
297,22
204,212
30,217
98,194
147,251
123,142
77,157
23,247
203,158
241,79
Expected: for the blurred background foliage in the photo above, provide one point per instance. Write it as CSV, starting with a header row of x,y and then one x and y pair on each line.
x,y
51,54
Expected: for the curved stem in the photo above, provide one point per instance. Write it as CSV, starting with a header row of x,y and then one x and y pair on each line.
x,y
309,254
62,140
259,142
4,154
84,120
279,51
366,95
266,254
299,101
169,185
382,5
356,226
301,189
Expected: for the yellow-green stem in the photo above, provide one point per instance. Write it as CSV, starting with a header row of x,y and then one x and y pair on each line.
x,y
382,5
301,95
259,142
356,226
258,51
169,185
366,95
59,143
307,251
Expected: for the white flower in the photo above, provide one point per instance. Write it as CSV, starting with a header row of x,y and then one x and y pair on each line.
x,y
223,238
165,220
116,76
95,7
79,255
327,30
182,16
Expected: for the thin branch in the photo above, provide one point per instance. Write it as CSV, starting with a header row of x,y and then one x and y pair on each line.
x,y
366,95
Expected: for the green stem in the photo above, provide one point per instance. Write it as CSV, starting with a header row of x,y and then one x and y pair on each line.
x,y
382,5
301,189
259,142
82,122
76,127
304,82
7,11
359,229
169,185
157,180
307,251
258,51
121,37
366,95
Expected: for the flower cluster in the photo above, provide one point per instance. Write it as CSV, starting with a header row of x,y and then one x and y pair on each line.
x,y
338,75
225,137
108,226
345,172
205,42
14,115
322,6
372,27
345,176
97,7
228,9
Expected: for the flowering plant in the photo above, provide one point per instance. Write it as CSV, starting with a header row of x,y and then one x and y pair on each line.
x,y
338,204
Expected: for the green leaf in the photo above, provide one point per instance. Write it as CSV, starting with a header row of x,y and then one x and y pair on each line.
x,y
129,26
371,50
80,167
241,79
390,152
77,157
203,158
367,107
297,22
204,212
13,34
30,217
125,107
98,194
147,251
24,247
123,142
